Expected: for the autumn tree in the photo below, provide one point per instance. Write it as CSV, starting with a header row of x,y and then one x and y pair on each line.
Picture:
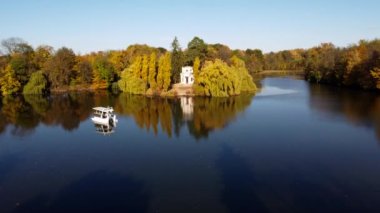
x,y
152,71
217,79
245,79
130,82
59,68
196,66
84,70
8,81
166,71
145,69
160,73
41,55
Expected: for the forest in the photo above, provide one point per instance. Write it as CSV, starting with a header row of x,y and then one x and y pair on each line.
x,y
142,69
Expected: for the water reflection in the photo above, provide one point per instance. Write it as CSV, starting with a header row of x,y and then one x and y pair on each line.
x,y
95,192
22,114
25,113
357,107
104,129
187,106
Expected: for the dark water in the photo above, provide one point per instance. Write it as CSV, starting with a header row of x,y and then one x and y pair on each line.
x,y
293,147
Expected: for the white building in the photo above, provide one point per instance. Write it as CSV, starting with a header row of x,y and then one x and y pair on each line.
x,y
187,76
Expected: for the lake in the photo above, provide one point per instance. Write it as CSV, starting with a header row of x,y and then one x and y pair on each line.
x,y
292,147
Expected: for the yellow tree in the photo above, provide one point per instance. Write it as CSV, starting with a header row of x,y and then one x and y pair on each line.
x,y
245,79
160,74
375,73
217,79
8,81
130,82
137,67
152,71
196,66
144,69
167,71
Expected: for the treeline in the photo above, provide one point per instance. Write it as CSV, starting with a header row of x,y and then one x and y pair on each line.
x,y
357,65
354,66
28,70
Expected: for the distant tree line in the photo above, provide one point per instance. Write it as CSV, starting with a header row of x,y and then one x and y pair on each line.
x,y
354,66
357,65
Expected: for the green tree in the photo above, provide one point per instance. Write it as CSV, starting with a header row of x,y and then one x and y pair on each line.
x,y
22,62
104,69
196,48
177,60
37,84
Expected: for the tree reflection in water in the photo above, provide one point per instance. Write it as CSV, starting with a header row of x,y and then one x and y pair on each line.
x,y
360,108
25,113
201,115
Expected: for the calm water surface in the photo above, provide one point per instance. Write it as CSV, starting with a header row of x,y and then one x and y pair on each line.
x,y
293,147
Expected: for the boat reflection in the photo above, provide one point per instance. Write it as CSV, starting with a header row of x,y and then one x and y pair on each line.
x,y
104,129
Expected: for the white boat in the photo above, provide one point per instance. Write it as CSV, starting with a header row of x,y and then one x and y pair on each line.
x,y
104,115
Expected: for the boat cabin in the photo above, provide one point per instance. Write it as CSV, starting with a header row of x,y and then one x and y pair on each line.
x,y
103,112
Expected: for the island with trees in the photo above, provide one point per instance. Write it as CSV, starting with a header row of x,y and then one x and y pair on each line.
x,y
140,69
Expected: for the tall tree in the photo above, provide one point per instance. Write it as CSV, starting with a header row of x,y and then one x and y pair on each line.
x,y
152,71
176,60
167,71
145,69
160,72
196,67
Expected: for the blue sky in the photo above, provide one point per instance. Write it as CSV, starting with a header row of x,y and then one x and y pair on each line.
x,y
270,25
